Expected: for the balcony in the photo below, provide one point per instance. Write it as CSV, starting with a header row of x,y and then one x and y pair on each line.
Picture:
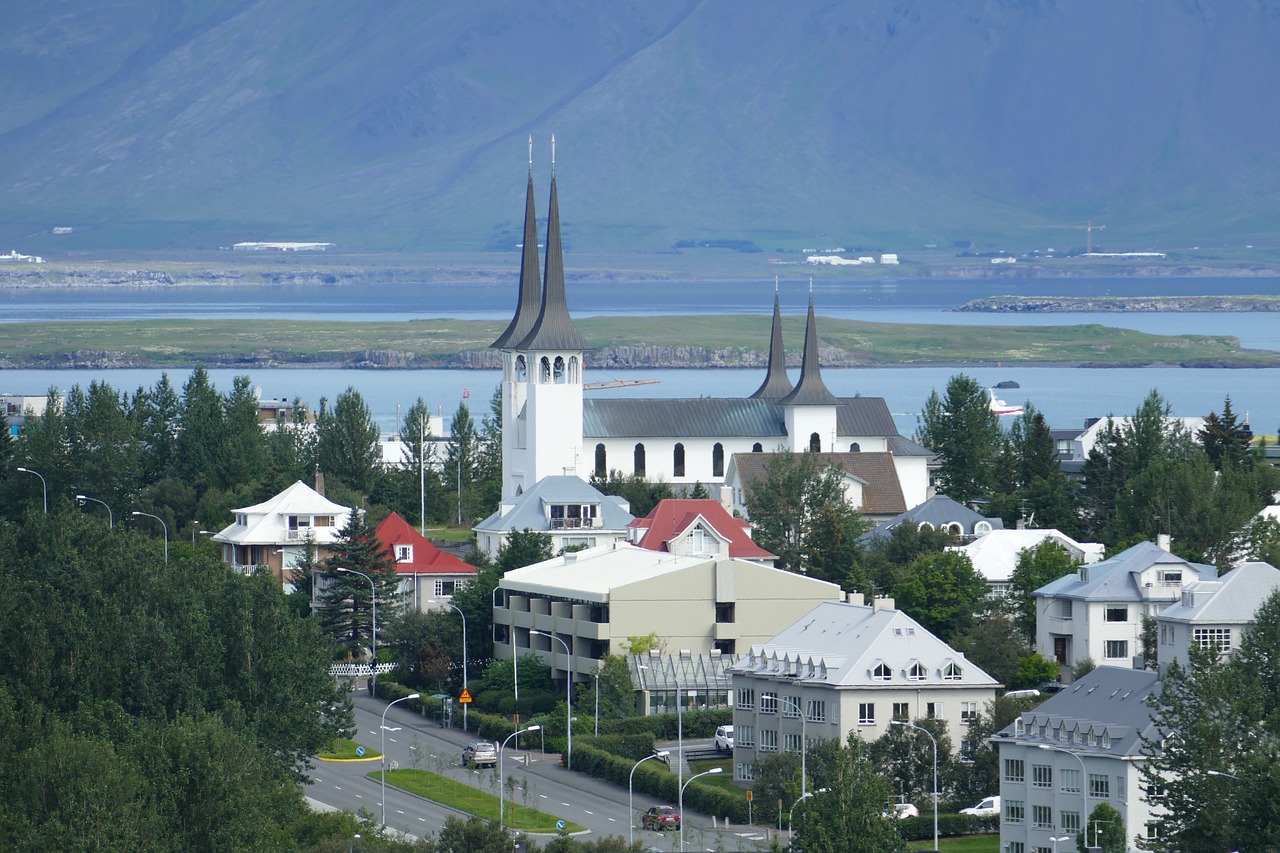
x,y
574,523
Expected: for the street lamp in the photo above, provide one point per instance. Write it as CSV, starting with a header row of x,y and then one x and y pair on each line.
x,y
631,803
1056,838
43,485
1084,781
804,741
136,513
382,731
803,797
568,688
111,518
597,702
502,795
935,772
679,723
373,598
465,705
682,787
196,529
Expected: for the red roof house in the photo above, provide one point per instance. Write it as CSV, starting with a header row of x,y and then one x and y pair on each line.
x,y
697,528
428,576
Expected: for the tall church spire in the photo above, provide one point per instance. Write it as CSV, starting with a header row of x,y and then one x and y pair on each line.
x,y
776,382
530,284
810,390
554,330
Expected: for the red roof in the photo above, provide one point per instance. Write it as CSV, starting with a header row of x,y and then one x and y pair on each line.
x,y
427,558
672,517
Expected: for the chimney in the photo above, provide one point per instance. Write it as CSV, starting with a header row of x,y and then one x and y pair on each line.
x,y
854,598
320,482
1163,541
881,602
726,498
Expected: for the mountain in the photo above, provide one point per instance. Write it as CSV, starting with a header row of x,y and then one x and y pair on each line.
x,y
402,124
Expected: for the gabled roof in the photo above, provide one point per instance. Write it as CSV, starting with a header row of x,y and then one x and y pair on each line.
x,y
841,645
1231,599
554,329
530,283
1110,700
266,523
810,390
298,499
673,517
938,512
1117,578
995,554
527,510
881,489
427,558
776,383
900,446
729,417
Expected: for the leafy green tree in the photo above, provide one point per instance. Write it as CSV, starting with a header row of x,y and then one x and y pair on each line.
x,y
961,428
524,548
1104,830
617,695
904,756
800,512
994,644
850,816
426,646
292,448
1260,540
345,600
831,550
476,601
888,559
1037,566
942,592
777,778
980,775
348,441
1034,669
642,495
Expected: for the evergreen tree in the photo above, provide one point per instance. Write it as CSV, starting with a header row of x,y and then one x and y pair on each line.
x,y
1037,566
201,444
247,455
850,816
961,428
942,592
460,466
346,599
157,412
348,442
488,467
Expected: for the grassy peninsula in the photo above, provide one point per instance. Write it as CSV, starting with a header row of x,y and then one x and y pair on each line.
x,y
620,342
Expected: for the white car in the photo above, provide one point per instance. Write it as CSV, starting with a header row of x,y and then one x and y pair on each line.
x,y
724,739
986,808
901,810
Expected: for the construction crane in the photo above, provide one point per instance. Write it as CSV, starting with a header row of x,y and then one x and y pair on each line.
x,y
1088,228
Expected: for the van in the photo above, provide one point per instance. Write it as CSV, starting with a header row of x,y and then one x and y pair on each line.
x,y
986,808
724,739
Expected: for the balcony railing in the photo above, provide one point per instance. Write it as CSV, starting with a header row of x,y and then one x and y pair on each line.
x,y
572,523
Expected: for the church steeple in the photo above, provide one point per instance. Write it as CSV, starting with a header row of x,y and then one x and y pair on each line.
x,y
554,330
776,382
810,390
530,284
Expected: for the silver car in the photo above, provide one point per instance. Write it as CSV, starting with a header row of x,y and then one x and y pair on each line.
x,y
480,753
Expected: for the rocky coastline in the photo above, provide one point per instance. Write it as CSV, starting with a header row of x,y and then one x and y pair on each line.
x,y
1119,304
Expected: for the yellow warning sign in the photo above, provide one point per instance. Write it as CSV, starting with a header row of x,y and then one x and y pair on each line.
x,y
748,796
465,698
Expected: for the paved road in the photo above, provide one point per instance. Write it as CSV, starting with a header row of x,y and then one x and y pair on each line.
x,y
542,782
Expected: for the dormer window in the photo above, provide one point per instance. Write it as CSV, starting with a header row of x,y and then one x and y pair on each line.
x,y
917,672
1171,578
951,672
404,553
882,672
697,540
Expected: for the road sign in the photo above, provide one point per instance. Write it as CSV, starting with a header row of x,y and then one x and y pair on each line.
x,y
465,698
559,824
748,796
360,751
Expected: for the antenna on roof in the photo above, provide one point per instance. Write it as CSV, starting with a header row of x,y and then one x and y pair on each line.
x,y
531,152
775,284
553,153
811,285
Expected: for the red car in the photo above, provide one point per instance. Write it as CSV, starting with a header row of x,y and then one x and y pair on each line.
x,y
660,818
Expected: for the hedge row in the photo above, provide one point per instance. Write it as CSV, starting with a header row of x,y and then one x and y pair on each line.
x,y
921,828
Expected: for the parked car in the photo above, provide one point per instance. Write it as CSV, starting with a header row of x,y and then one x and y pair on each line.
x,y
724,739
989,806
901,810
480,753
661,818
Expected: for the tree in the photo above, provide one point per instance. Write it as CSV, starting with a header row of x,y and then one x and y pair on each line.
x,y
800,512
524,548
904,756
292,448
994,644
961,428
888,559
776,778
1225,440
641,495
348,441
201,445
156,413
1037,566
850,816
1104,830
617,694
426,646
247,456
942,592
981,774
346,611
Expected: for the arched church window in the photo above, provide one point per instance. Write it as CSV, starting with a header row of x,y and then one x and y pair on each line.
x,y
601,461
559,371
545,373
815,442
637,462
855,448
677,461
522,369
757,448
575,371
717,460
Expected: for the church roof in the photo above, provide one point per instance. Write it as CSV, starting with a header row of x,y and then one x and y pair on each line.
x,y
530,282
723,417
810,390
776,383
554,329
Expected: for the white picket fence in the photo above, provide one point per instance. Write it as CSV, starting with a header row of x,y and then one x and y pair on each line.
x,y
358,670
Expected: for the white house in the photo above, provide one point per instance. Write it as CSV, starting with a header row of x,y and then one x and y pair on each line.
x,y
1078,749
849,667
1097,612
1214,612
571,511
995,554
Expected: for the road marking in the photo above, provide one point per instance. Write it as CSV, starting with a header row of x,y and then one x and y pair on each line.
x,y
590,813
337,787
393,740
423,819
566,805
611,820
360,796
399,812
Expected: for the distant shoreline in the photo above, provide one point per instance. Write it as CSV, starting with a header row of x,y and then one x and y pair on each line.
x,y
1120,304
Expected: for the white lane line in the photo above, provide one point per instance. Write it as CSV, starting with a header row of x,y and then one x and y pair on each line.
x,y
399,812
566,805
590,813
612,819
544,796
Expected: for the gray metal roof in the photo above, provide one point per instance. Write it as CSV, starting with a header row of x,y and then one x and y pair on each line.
x,y
865,416
1117,578
689,417
530,283
810,390
1232,599
938,511
776,383
901,446
527,510
881,490
554,330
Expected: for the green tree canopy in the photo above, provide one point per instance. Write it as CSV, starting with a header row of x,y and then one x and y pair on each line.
x,y
942,592
345,598
348,441
961,428
850,817
1037,566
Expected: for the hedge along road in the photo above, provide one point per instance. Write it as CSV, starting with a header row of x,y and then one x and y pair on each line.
x,y
597,805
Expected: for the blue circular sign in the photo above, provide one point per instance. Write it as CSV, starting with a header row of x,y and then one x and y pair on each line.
x,y
559,824
360,751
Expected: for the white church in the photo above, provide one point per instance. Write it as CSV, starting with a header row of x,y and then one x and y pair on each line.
x,y
549,428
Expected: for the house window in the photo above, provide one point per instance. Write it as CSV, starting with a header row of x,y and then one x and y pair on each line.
x,y
791,706
323,521
757,448
1153,830
815,442
1042,817
1069,821
445,588
1099,786
1041,776
726,647
951,672
745,736
1115,649
677,461
933,710
1017,847
404,553
769,703
1015,811
1117,614
882,673
1014,770
744,771
1064,609
817,711
866,713
1170,578
1155,794
697,541
725,612
1121,793
601,461
717,460
1207,638
747,699
790,743
637,462
917,672
901,711
768,740
968,711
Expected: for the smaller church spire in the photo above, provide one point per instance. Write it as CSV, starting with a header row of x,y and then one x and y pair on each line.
x,y
776,383
530,284
810,390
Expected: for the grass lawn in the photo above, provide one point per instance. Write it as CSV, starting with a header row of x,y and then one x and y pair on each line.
x,y
471,800
722,780
449,534
961,844
343,749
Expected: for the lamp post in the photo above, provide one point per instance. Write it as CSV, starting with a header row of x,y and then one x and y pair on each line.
x,y
682,787
631,802
804,741
43,485
465,705
382,730
196,529
136,513
1084,782
111,518
1056,838
373,599
935,772
791,814
502,795
597,703
568,695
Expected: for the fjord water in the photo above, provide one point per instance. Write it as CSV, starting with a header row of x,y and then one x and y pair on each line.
x,y
1066,395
